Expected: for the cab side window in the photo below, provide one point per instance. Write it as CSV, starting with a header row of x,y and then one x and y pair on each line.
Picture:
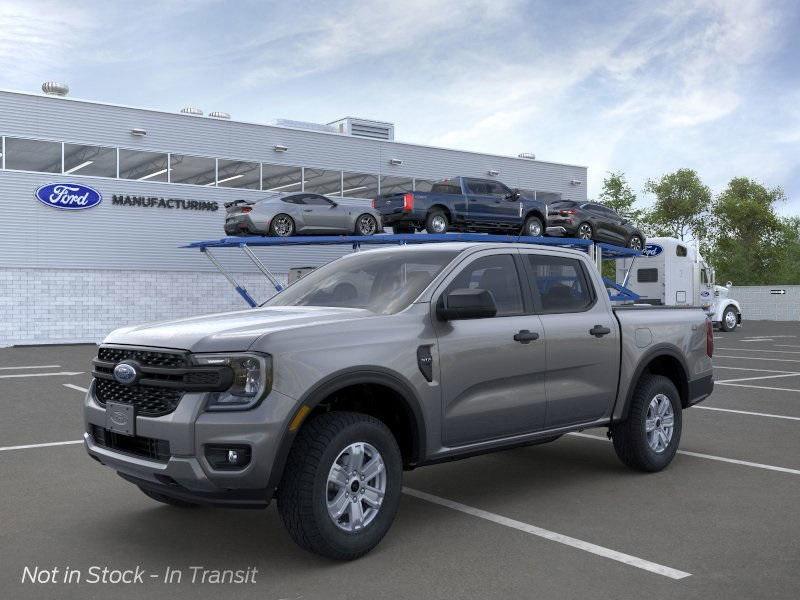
x,y
561,283
497,274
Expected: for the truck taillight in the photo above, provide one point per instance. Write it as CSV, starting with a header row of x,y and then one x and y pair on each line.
x,y
570,211
408,202
246,209
709,338
374,203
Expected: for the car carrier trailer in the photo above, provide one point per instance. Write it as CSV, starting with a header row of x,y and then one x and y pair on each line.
x,y
618,292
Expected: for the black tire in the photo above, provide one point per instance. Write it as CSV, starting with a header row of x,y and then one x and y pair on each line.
x,y
582,228
276,230
533,227
724,324
403,228
432,221
167,499
635,242
630,437
302,494
360,230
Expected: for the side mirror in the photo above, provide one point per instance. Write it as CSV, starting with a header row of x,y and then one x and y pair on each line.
x,y
514,195
466,303
334,204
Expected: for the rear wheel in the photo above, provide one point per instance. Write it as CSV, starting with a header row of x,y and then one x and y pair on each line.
x,y
648,439
366,224
635,242
167,499
281,226
729,319
436,222
341,485
533,227
585,232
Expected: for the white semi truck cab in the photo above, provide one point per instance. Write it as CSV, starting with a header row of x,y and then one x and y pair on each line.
x,y
670,272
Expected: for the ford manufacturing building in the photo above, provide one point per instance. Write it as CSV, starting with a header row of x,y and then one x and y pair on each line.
x,y
162,179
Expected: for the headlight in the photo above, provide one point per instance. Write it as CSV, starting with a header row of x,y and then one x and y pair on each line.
x,y
252,379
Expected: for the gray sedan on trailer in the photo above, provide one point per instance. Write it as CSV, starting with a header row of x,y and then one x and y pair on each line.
x,y
302,213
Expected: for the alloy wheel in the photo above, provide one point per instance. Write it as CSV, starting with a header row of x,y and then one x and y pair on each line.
x,y
356,486
282,226
439,224
730,319
534,228
585,231
635,243
659,423
366,225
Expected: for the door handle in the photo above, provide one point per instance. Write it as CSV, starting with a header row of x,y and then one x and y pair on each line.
x,y
599,331
526,337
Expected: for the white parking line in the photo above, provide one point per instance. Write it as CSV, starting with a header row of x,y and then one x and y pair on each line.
x,y
734,461
757,358
747,412
31,367
47,445
752,369
627,559
759,377
757,340
758,387
84,390
760,350
787,346
17,375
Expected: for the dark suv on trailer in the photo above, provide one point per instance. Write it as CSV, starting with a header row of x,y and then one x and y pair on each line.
x,y
593,221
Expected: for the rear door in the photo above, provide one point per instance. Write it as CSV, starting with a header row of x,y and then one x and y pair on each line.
x,y
480,202
493,386
583,346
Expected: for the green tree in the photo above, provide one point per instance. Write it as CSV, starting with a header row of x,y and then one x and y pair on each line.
x,y
618,195
751,244
681,206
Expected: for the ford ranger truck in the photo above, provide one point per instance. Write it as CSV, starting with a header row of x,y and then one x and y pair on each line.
x,y
383,361
464,204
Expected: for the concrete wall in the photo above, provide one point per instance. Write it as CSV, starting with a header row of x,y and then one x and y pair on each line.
x,y
759,304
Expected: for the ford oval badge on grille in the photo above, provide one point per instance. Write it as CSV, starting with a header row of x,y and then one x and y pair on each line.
x,y
125,373
68,196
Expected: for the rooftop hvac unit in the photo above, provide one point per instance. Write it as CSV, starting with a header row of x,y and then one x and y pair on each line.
x,y
527,155
219,115
376,130
53,88
303,125
192,110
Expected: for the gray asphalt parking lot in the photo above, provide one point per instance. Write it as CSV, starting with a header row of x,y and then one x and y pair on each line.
x,y
563,520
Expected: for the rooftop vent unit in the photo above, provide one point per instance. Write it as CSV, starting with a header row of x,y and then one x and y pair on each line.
x,y
303,125
219,115
527,155
53,88
192,110
375,130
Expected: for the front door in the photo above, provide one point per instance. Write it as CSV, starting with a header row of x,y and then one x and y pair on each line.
x,y
492,385
324,215
582,340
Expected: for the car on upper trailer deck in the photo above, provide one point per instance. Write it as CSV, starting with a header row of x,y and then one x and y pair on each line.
x,y
593,221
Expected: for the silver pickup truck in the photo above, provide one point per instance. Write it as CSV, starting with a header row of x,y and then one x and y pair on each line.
x,y
383,361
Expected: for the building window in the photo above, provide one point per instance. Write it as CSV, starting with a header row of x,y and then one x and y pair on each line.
x,y
90,160
33,155
320,181
143,166
195,170
396,185
359,185
423,185
238,174
279,178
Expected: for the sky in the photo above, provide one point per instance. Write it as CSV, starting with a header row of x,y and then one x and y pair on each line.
x,y
639,87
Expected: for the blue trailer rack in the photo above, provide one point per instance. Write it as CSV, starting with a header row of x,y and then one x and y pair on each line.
x,y
597,250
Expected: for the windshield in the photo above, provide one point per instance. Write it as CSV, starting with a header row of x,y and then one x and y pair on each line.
x,y
383,283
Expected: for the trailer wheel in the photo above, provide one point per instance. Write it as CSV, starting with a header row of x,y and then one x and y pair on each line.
x,y
729,319
648,439
281,226
436,221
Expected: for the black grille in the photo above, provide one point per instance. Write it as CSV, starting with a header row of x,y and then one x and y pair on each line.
x,y
150,401
147,358
145,447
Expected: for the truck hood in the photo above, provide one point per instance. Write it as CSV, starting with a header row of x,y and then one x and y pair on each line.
x,y
229,332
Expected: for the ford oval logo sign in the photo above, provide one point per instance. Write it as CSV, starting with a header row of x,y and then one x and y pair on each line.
x,y
68,196
125,373
652,250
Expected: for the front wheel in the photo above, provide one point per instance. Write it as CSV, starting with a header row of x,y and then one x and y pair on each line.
x,y
281,226
635,243
533,227
729,319
366,224
648,439
585,232
341,485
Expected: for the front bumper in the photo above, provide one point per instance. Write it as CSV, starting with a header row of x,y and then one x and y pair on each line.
x,y
188,430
